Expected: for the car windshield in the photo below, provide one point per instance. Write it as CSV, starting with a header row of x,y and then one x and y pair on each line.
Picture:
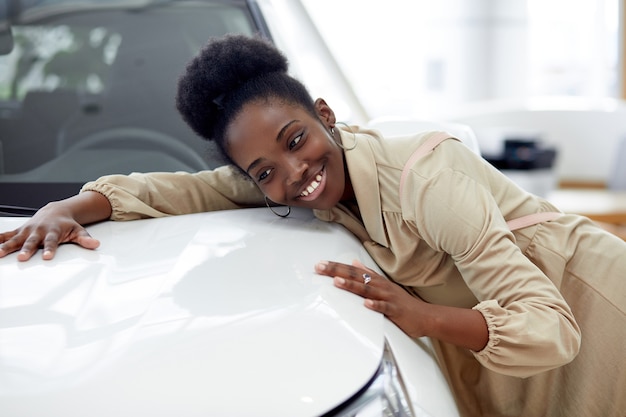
x,y
89,91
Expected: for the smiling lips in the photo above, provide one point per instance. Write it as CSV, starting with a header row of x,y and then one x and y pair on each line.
x,y
313,189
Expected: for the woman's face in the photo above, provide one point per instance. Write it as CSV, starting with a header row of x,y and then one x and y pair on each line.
x,y
288,153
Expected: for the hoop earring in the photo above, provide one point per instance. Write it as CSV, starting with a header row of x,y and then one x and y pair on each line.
x,y
267,203
332,133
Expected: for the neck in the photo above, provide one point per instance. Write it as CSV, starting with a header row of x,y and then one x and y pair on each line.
x,y
348,199
348,191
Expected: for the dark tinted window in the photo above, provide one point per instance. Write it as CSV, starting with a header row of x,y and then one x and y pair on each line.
x,y
90,92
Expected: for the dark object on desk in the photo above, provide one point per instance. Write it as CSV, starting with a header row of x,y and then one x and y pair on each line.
x,y
523,154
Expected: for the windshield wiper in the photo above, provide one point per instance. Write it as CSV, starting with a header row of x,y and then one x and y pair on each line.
x,y
16,211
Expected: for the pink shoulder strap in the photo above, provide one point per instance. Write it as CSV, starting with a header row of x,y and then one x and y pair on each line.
x,y
533,219
421,151
431,143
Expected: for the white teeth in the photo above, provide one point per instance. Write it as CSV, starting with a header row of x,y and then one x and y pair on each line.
x,y
313,186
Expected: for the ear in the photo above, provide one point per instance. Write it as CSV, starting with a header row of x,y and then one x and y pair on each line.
x,y
325,113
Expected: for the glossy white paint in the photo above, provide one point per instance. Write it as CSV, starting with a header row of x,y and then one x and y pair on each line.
x,y
214,314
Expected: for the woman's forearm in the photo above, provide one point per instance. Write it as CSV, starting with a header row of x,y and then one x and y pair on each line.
x,y
460,326
85,208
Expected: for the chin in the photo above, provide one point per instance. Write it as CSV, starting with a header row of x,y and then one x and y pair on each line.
x,y
325,204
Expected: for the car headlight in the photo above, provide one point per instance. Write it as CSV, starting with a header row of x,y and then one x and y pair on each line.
x,y
384,396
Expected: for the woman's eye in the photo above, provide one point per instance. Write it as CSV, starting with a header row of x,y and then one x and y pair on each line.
x,y
295,142
264,174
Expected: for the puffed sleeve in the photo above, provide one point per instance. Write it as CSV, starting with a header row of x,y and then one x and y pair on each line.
x,y
160,194
531,327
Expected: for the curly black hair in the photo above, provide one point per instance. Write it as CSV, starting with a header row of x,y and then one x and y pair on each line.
x,y
227,73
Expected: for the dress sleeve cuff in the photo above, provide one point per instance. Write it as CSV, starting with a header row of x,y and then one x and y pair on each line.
x,y
523,342
489,311
117,214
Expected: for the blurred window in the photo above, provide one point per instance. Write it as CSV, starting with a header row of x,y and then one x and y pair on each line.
x,y
89,90
574,52
423,59
45,58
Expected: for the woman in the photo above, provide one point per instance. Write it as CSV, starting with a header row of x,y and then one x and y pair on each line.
x,y
505,310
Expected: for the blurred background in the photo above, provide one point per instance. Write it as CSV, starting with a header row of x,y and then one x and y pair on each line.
x,y
425,58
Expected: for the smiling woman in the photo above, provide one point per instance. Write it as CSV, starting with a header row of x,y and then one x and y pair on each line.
x,y
505,310
266,122
295,154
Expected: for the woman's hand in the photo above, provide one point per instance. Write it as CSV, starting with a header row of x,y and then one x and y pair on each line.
x,y
380,294
463,327
47,228
56,223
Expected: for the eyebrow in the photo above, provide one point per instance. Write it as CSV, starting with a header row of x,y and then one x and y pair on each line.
x,y
279,137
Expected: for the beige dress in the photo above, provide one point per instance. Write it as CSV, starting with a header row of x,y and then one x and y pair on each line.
x,y
553,295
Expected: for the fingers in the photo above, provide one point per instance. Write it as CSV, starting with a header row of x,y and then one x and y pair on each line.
x,y
379,292
14,241
79,235
355,287
85,240
336,269
381,306
358,264
7,235
29,242
23,240
6,246
354,278
31,245
50,245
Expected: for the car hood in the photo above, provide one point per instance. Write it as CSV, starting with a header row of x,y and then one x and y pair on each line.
x,y
205,314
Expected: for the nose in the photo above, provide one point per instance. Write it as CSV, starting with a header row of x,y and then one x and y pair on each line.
x,y
296,170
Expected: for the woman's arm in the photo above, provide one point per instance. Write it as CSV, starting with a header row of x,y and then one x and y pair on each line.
x,y
129,197
57,222
160,194
460,326
457,210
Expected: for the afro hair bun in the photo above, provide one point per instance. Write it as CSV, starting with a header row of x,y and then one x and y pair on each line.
x,y
221,66
237,59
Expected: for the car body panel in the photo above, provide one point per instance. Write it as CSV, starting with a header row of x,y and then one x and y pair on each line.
x,y
205,314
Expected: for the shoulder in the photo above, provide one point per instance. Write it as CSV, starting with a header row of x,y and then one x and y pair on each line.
x,y
395,149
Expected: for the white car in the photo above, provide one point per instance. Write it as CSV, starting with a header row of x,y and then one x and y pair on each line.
x,y
213,314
